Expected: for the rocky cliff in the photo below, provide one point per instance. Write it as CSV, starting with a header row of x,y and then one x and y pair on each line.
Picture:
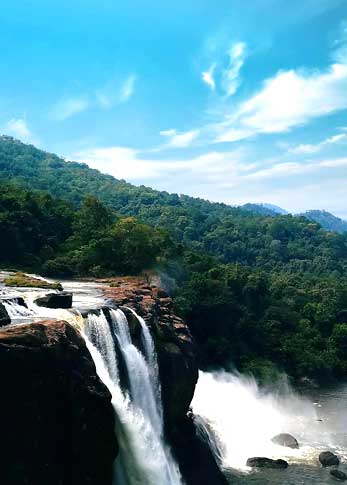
x,y
178,372
57,422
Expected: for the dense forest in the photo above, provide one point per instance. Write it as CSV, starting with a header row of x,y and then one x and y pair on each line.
x,y
264,294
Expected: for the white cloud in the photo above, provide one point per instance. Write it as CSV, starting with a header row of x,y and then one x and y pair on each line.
x,y
207,77
18,128
283,170
123,162
127,89
116,92
225,167
289,99
310,148
169,133
66,108
233,134
229,176
179,140
226,69
231,79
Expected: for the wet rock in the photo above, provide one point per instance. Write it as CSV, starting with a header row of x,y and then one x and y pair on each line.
x,y
327,458
285,439
57,422
262,462
55,300
197,463
4,316
338,474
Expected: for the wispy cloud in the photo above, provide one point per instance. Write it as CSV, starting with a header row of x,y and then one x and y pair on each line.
x,y
289,99
116,92
315,148
68,107
231,75
225,69
207,77
127,89
179,140
123,162
113,93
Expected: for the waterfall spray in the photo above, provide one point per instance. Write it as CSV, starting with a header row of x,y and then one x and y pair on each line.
x,y
238,419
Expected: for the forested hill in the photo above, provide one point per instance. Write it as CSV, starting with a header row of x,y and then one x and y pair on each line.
x,y
232,234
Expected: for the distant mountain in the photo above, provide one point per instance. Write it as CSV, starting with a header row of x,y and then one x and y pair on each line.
x,y
327,220
264,209
275,208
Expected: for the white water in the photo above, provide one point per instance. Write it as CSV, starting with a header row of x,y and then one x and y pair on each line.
x,y
15,310
144,458
243,419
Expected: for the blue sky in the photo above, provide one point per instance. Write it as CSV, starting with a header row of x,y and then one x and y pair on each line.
x,y
230,100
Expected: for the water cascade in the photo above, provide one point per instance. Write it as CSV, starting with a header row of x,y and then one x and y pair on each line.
x,y
144,458
16,310
238,420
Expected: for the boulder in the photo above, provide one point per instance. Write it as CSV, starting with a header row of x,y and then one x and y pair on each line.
x,y
4,316
285,439
55,300
262,462
338,474
327,458
57,423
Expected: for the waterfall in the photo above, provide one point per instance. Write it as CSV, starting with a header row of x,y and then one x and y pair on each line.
x,y
15,310
238,420
144,458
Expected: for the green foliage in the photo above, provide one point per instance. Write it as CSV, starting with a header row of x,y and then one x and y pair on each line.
x,y
46,234
32,225
254,319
